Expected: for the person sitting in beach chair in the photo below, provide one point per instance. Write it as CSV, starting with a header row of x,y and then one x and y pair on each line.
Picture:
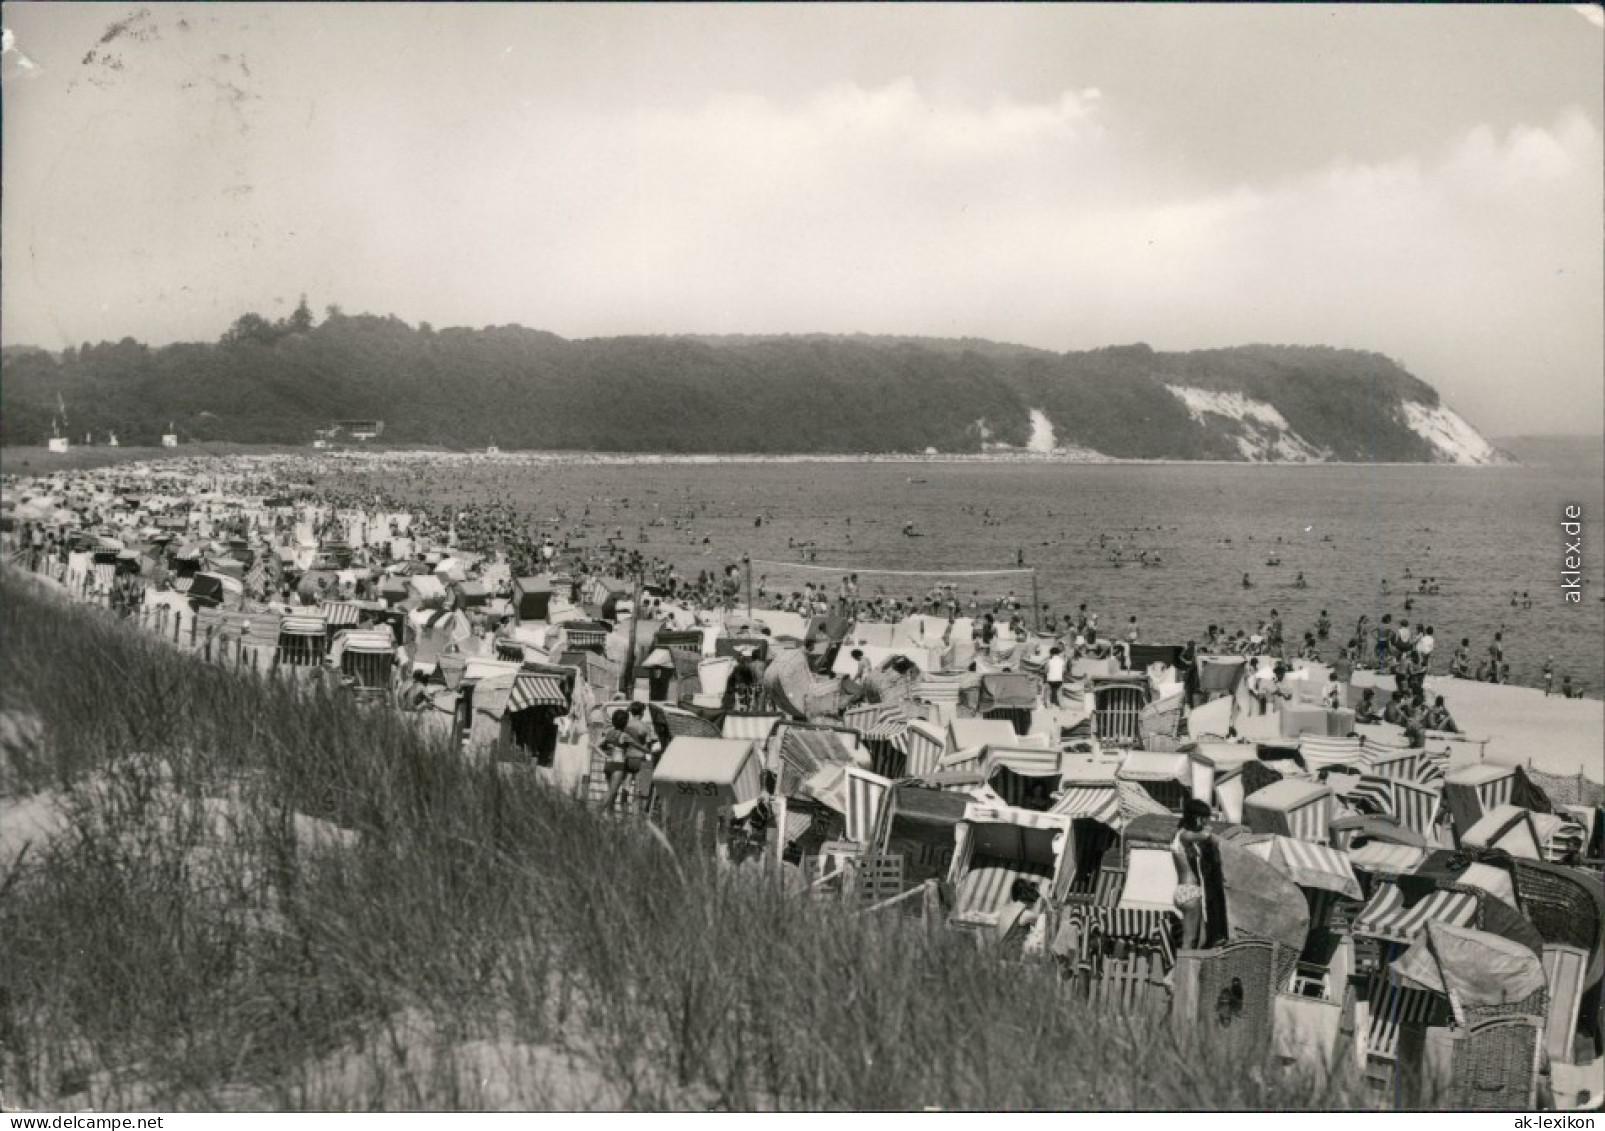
x,y
1016,921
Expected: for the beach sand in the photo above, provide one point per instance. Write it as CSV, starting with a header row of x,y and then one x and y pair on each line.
x,y
1554,735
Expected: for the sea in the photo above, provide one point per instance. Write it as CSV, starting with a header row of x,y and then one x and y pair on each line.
x,y
1362,536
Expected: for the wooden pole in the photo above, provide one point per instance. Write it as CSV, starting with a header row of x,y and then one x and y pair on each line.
x,y
1036,601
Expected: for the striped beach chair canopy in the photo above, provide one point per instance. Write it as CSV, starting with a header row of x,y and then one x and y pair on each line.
x,y
1416,806
537,689
994,846
1389,917
302,624
1291,807
341,614
1472,792
1018,773
1386,859
1090,801
1315,866
1319,752
866,793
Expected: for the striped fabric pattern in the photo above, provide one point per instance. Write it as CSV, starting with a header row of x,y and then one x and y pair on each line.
x,y
866,794
370,642
983,890
536,689
1390,762
1391,1005
924,744
1416,806
340,613
1135,801
1373,794
1319,752
754,727
1094,802
1386,859
1316,866
869,716
1496,793
1431,766
1142,925
1386,916
299,625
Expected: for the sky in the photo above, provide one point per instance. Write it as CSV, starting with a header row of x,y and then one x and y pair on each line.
x,y
1425,181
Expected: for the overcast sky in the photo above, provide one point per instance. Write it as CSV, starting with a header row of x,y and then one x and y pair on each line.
x,y
1423,180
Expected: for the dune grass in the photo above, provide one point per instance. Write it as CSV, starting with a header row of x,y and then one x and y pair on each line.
x,y
484,942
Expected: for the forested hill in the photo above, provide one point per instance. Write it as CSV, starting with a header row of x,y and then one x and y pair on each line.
x,y
279,382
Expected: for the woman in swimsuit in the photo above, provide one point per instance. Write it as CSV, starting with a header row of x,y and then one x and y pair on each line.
x,y
1185,851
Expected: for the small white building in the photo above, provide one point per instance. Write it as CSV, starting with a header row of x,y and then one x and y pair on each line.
x,y
58,444
169,440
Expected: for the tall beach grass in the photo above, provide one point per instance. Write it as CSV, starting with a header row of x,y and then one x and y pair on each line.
x,y
265,896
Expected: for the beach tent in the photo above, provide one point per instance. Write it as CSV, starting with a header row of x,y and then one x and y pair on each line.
x,y
993,846
1290,807
917,823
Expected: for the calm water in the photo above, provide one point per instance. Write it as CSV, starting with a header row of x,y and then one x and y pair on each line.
x,y
1481,532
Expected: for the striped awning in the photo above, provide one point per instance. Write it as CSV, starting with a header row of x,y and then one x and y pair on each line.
x,y
536,689
295,625
341,613
889,730
1096,802
1386,916
1316,866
